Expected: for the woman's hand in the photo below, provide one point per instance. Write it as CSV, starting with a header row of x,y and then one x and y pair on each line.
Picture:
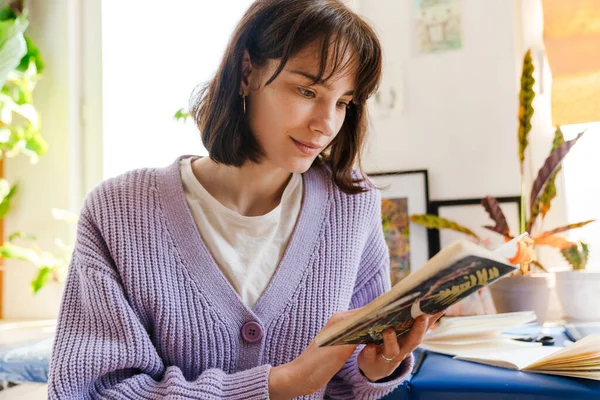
x,y
312,370
377,362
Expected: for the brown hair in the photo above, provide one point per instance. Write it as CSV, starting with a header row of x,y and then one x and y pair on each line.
x,y
278,30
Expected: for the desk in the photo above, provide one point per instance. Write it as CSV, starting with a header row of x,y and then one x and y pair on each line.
x,y
442,378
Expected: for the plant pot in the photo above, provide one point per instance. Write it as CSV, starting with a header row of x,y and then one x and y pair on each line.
x,y
579,295
523,293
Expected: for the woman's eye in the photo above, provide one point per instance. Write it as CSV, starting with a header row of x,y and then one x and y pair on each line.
x,y
306,92
342,104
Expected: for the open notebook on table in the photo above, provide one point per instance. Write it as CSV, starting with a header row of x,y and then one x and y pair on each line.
x,y
476,334
481,339
580,359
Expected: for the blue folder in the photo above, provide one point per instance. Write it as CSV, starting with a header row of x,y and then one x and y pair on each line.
x,y
442,378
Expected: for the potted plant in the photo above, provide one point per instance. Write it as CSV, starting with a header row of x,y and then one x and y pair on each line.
x,y
21,66
529,287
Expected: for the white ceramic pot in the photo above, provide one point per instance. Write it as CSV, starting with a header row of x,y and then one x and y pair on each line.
x,y
523,293
579,294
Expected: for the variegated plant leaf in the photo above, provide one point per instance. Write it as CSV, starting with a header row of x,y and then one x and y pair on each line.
x,y
435,222
577,255
526,96
524,254
550,165
493,209
542,206
552,240
569,227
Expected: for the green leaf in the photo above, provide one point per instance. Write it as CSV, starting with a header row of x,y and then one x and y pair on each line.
x,y
435,222
33,55
11,251
42,278
577,255
6,196
12,45
36,144
7,13
181,114
21,235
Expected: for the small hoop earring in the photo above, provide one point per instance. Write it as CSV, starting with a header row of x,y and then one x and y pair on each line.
x,y
244,103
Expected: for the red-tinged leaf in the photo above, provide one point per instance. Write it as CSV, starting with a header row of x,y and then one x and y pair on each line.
x,y
550,165
542,206
492,228
492,207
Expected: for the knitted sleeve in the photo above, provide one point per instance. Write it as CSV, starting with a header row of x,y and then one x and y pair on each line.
x,y
372,281
102,350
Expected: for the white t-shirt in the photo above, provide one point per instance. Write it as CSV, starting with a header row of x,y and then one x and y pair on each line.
x,y
246,249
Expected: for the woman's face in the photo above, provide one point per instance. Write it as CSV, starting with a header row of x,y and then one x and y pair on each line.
x,y
292,120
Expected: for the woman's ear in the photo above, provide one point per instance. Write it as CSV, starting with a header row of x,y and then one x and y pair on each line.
x,y
247,71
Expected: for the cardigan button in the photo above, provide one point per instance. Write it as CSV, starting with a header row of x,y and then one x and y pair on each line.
x,y
252,332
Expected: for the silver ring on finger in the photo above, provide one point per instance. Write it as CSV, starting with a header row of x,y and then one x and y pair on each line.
x,y
387,359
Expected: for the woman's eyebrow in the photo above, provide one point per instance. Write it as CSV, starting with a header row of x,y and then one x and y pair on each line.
x,y
314,79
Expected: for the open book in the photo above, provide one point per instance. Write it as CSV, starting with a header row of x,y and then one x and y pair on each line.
x,y
451,275
464,336
580,359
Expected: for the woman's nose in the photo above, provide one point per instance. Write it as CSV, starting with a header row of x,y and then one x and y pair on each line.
x,y
324,120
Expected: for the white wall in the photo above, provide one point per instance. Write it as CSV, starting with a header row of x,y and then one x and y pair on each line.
x,y
459,107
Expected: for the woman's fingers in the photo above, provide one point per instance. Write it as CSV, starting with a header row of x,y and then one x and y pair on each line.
x,y
391,348
415,335
434,318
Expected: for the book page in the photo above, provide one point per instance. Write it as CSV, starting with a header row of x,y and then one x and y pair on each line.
x,y
481,325
586,349
594,375
514,359
475,347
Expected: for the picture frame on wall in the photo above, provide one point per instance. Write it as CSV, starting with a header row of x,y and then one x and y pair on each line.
x,y
471,214
404,193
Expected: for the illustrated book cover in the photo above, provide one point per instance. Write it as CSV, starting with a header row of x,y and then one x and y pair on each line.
x,y
451,275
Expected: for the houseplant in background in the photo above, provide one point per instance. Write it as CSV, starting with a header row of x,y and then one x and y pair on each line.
x,y
529,288
21,66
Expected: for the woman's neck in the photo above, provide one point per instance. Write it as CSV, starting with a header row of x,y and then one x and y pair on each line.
x,y
250,190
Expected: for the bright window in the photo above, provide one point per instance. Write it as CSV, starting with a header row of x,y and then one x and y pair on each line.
x,y
582,181
154,55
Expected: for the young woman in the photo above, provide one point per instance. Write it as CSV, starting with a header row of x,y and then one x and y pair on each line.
x,y
209,279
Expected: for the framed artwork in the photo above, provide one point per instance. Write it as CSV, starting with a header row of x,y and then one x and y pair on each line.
x,y
471,214
404,193
438,25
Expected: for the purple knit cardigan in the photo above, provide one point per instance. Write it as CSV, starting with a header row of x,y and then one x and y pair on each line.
x,y
147,313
